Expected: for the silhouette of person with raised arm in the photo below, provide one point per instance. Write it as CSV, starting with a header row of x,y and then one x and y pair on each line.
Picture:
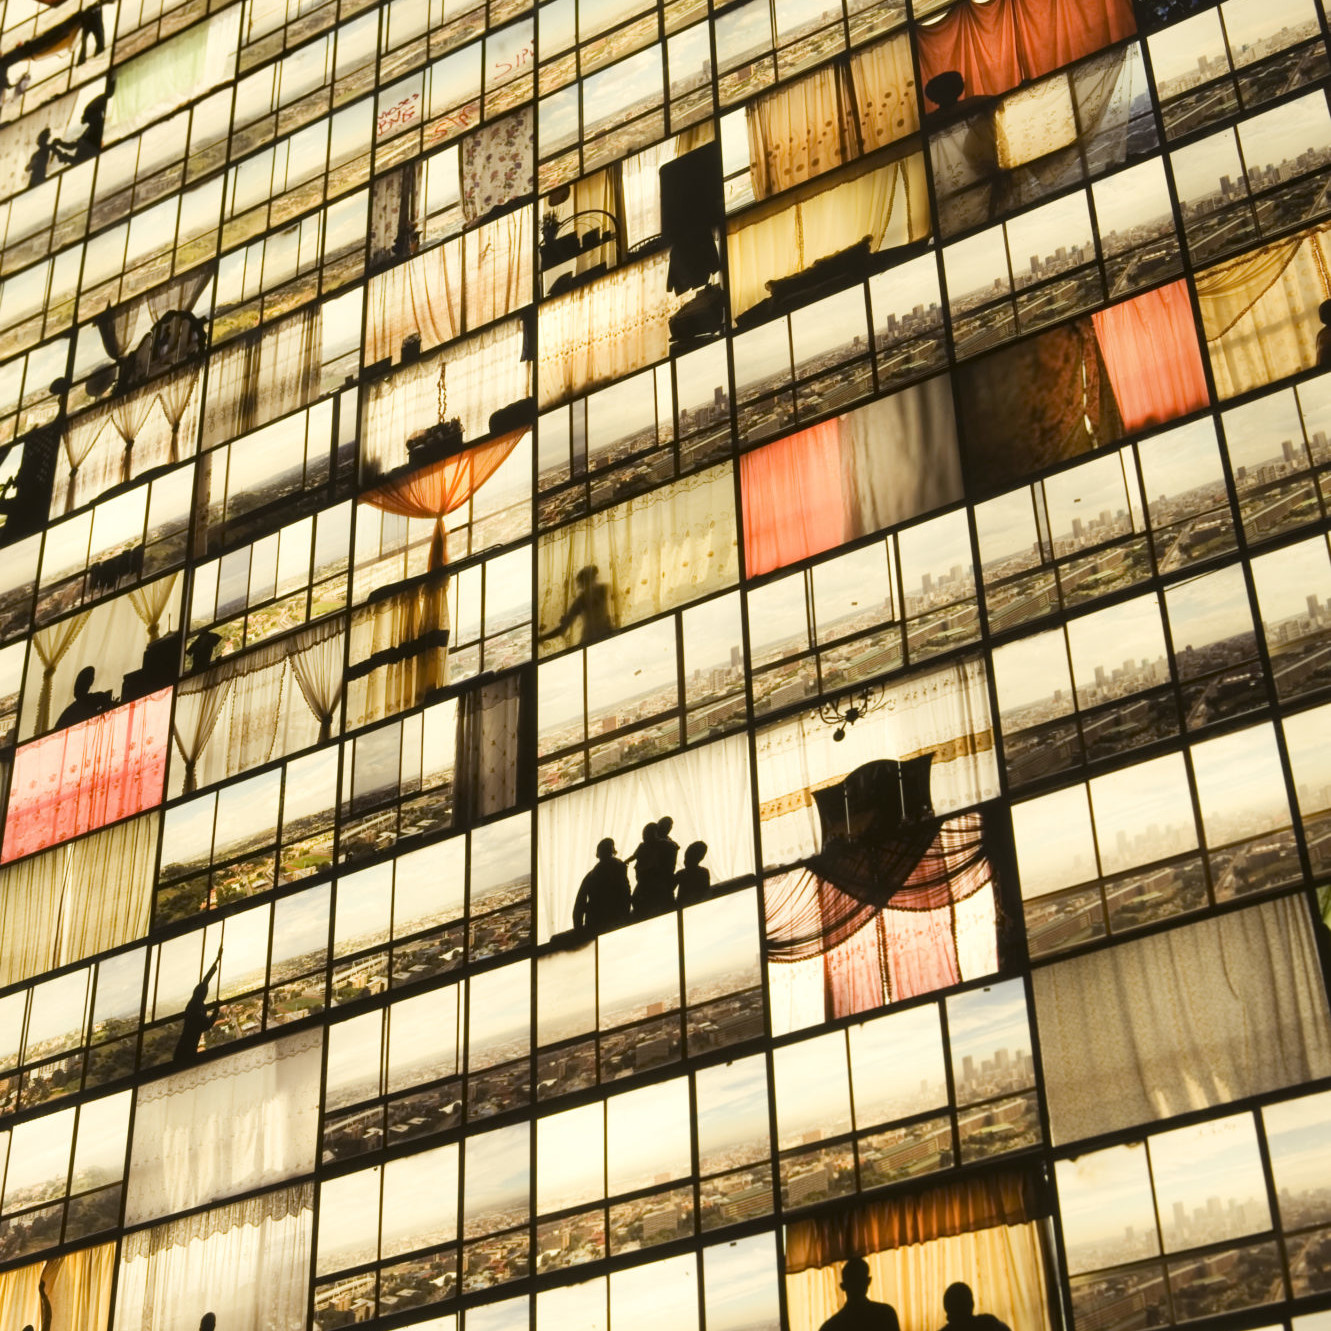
x,y
40,161
860,1312
959,1305
86,703
693,882
591,605
603,900
199,1017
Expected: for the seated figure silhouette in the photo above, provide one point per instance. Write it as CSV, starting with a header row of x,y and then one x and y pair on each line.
x,y
860,1312
199,1017
959,1305
693,882
86,703
603,900
591,605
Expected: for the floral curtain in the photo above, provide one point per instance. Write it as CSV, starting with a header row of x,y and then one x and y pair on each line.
x,y
497,164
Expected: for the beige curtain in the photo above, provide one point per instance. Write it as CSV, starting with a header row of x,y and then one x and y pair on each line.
x,y
50,645
1204,1014
77,900
423,296
405,629
149,602
883,76
499,267
77,1284
800,130
1259,311
888,204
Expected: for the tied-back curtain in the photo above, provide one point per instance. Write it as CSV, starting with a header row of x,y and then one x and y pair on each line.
x,y
997,44
489,734
224,1127
655,551
800,130
77,900
705,790
87,775
1259,311
872,468
605,330
150,603
50,646
888,205
1206,1013
77,1284
883,78
1149,345
317,670
178,397
247,1263
497,164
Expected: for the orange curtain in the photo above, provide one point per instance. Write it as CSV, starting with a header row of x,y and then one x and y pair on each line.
x,y
997,44
792,499
1149,346
1005,1197
437,489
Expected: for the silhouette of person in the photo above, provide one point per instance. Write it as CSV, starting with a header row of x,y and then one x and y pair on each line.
x,y
208,1322
860,1312
603,900
591,605
944,90
89,142
1323,334
959,1305
86,703
693,882
40,161
669,850
199,1019
655,890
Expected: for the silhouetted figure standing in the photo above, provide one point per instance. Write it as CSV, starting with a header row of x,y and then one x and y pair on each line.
x,y
654,893
208,1322
1323,334
669,849
40,161
693,882
591,605
959,1305
603,900
860,1312
199,1017
86,703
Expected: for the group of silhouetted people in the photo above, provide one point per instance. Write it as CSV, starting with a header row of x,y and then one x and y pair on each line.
x,y
861,1313
605,898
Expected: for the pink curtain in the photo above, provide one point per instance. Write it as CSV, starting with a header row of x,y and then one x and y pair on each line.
x,y
853,973
87,775
1149,346
997,44
793,499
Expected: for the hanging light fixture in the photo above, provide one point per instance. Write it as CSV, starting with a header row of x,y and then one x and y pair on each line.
x,y
850,707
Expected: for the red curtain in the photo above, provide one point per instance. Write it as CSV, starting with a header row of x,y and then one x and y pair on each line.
x,y
437,489
1149,346
793,501
87,775
997,44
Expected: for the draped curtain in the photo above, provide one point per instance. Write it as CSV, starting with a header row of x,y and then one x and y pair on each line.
x,y
77,900
800,130
488,737
224,1127
705,790
888,204
1259,311
655,551
247,1263
997,44
87,775
883,77
497,164
77,1284
1207,1013
872,468
1149,345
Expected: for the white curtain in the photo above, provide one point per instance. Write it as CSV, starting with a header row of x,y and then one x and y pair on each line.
x,y
248,1264
944,712
888,204
225,1127
606,329
705,791
77,900
657,551
1207,1013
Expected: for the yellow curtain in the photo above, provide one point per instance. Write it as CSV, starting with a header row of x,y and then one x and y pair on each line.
x,y
800,131
883,76
77,1284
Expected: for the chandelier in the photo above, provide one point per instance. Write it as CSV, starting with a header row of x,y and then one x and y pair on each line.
x,y
851,707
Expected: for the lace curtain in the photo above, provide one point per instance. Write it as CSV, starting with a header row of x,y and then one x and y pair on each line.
x,y
78,1285
706,792
87,775
247,1263
80,899
872,468
1206,1013
224,1127
656,551
889,204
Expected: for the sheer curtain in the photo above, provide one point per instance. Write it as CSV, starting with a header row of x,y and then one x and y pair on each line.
x,y
87,775
1206,1013
422,296
80,899
499,267
706,792
888,204
883,77
399,650
604,330
655,551
248,1264
801,130
78,1286
1259,311
1149,345
488,736
224,1127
